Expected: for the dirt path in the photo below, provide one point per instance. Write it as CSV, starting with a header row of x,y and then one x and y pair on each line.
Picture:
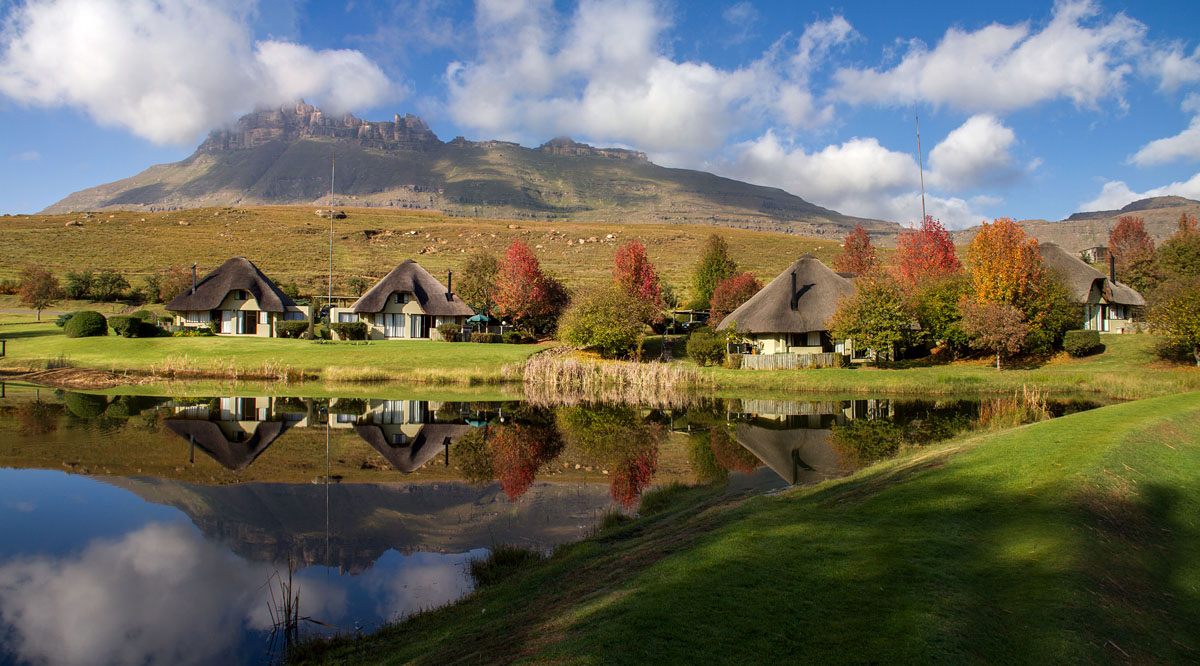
x,y
74,378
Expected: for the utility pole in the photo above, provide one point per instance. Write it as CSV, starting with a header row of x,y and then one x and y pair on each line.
x,y
332,174
921,166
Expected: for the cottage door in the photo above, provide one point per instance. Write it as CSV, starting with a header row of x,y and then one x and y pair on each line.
x,y
393,326
227,321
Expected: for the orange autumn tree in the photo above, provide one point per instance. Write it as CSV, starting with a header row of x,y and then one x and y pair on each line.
x,y
1006,266
858,256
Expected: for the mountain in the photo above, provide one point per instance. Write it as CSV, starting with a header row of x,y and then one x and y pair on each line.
x,y
282,156
1090,229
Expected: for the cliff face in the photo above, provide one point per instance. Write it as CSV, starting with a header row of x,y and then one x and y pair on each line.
x,y
305,121
565,146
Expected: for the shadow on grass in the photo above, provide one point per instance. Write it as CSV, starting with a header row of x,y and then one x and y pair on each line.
x,y
7,333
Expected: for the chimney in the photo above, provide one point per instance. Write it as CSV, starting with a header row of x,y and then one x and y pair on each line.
x,y
449,285
793,290
194,276
1112,267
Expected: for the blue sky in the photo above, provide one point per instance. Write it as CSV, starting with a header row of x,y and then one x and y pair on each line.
x,y
1028,110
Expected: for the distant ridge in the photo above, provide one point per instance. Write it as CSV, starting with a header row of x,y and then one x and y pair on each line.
x,y
281,157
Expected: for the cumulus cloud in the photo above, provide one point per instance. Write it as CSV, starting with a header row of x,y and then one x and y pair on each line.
x,y
1174,68
168,71
1116,194
1182,146
1004,67
975,153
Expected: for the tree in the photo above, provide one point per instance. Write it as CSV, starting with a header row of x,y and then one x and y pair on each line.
x,y
997,327
936,306
109,285
1175,310
857,256
478,281
357,284
1050,312
607,318
1006,266
526,295
173,282
1180,254
877,317
635,274
1128,239
925,254
713,267
730,294
78,285
39,289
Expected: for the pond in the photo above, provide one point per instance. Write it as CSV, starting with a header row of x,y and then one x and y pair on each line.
x,y
162,530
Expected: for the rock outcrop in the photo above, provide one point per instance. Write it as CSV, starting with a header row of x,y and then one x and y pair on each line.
x,y
304,121
565,145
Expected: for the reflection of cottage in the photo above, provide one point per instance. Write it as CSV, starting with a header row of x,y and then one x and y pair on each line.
x,y
789,315
238,430
406,452
799,455
406,303
1108,304
239,297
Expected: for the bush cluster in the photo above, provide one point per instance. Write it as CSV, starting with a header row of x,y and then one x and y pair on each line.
x,y
128,326
1081,343
484,337
350,330
291,329
516,338
63,318
86,324
449,332
733,361
706,347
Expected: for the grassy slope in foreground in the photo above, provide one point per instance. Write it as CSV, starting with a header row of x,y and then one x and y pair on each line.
x,y
1070,541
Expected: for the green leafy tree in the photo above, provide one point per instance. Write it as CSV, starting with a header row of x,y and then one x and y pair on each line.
x,y
77,285
1180,255
1175,310
997,327
713,267
478,281
936,306
357,284
878,317
1050,312
39,289
608,319
152,286
109,285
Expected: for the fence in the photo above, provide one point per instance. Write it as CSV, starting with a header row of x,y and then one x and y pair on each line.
x,y
794,361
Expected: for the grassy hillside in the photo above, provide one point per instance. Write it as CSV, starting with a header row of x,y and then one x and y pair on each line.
x,y
1069,541
292,244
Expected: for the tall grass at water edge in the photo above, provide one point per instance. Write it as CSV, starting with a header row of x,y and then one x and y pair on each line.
x,y
185,367
559,379
1025,406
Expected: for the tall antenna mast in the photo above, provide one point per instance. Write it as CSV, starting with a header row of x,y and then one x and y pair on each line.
x,y
920,165
332,173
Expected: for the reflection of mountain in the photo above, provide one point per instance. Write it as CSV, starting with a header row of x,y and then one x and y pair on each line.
x,y
272,522
405,454
228,446
798,455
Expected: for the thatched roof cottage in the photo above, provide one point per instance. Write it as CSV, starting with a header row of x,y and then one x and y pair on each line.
x,y
407,303
1108,304
239,297
789,315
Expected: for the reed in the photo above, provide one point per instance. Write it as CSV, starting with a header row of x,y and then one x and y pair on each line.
x,y
559,379
1025,406
185,367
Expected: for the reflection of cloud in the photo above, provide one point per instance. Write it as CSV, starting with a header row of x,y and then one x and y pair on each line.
x,y
159,595
23,507
405,584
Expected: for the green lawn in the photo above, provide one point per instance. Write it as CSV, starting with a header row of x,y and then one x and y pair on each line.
x,y
32,345
1075,540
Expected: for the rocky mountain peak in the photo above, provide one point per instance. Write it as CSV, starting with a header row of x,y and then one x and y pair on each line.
x,y
565,145
301,121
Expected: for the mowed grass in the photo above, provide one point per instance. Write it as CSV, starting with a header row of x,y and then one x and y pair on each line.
x,y
1075,540
292,244
31,346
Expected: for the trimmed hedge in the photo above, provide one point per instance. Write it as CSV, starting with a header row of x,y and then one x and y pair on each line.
x,y
350,330
62,319
86,324
128,326
484,337
144,315
1081,343
449,332
291,329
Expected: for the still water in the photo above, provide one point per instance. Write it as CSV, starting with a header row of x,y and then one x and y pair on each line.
x,y
157,530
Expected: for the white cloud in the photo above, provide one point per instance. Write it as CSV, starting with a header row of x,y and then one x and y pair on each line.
x,y
741,17
28,156
1116,194
1174,68
1005,67
1182,146
168,71
975,153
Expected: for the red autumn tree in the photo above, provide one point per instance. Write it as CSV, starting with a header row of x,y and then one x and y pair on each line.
x,y
1128,240
925,255
730,294
1006,266
997,327
857,256
637,276
524,294
729,454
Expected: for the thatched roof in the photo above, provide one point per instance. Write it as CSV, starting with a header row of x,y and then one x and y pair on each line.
x,y
1080,278
429,442
779,309
237,273
410,277
798,455
235,456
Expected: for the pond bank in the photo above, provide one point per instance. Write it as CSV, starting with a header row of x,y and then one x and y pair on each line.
x,y
1070,541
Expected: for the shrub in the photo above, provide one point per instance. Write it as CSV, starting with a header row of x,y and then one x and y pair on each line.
x,y
321,331
350,330
10,287
607,319
144,315
706,347
513,338
291,329
733,361
1173,350
86,324
449,332
484,337
1081,343
214,327
165,320
124,325
62,319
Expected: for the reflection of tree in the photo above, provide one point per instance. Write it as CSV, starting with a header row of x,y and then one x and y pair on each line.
x,y
729,454
85,405
38,418
631,475
475,457
863,441
618,438
702,460
518,451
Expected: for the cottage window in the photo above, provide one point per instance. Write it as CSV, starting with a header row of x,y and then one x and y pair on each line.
x,y
293,315
263,318
193,317
347,317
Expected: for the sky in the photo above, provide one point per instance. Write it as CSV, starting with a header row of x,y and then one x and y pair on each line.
x,y
1026,109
